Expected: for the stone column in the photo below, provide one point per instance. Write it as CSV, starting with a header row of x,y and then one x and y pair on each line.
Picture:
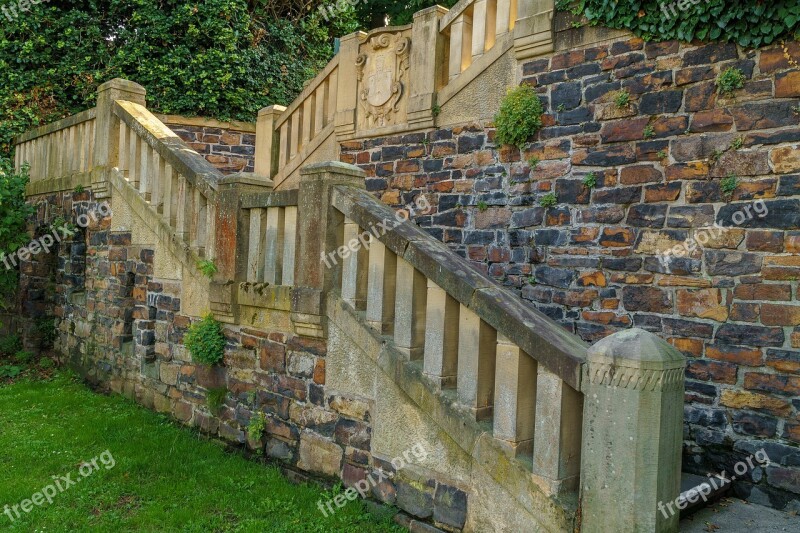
x,y
106,143
632,434
267,141
320,230
347,80
426,73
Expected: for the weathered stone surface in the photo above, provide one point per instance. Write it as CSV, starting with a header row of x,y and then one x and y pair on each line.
x,y
320,455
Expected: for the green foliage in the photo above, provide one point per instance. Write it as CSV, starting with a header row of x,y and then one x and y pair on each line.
x,y
729,81
205,341
662,154
532,281
482,206
22,357
10,345
373,13
622,98
10,371
436,110
649,131
78,189
14,213
224,59
520,116
737,143
215,398
207,267
533,162
729,185
590,181
46,363
257,426
750,24
46,329
548,200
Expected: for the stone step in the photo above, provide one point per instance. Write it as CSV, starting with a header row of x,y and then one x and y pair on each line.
x,y
698,492
734,515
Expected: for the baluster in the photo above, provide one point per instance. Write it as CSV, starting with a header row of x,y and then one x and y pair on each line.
x,y
124,160
145,179
134,163
80,150
211,229
90,146
273,249
354,273
256,245
333,89
308,120
409,310
289,236
476,363
294,134
460,45
514,398
182,212
503,17
283,158
557,437
480,28
320,106
381,287
157,180
166,174
441,337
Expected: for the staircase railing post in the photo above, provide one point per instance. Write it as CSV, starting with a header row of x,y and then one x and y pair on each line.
x,y
320,230
533,32
632,434
267,141
106,142
427,58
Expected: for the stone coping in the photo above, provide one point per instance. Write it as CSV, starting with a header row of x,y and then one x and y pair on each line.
x,y
203,122
255,200
540,337
454,13
188,163
53,127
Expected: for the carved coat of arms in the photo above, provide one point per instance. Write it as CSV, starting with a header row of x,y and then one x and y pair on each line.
x,y
381,79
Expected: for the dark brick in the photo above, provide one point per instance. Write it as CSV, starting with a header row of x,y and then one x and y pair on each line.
x,y
661,102
572,191
619,195
762,116
450,506
709,54
648,299
628,264
691,216
753,424
780,214
722,263
749,335
647,215
555,277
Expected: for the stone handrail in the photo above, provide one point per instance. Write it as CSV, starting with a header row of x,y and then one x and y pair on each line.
x,y
505,361
177,182
289,135
58,149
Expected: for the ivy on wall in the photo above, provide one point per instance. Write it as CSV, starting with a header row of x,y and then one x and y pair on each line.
x,y
748,23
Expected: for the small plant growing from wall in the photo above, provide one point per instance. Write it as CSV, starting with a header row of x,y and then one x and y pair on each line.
x,y
215,398
482,206
207,267
78,189
548,200
737,143
622,99
257,426
729,185
590,181
649,131
533,162
729,81
520,116
205,341
436,110
662,154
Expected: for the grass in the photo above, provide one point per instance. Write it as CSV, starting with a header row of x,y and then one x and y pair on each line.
x,y
166,478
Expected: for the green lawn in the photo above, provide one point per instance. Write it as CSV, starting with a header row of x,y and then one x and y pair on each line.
x,y
164,478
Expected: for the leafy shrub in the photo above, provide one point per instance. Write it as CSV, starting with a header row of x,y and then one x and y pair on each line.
x,y
750,24
590,181
207,267
622,99
22,357
729,185
46,363
205,341
730,80
520,116
257,426
14,213
10,344
10,371
46,329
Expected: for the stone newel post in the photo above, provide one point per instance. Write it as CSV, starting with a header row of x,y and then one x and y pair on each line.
x,y
320,228
106,143
632,434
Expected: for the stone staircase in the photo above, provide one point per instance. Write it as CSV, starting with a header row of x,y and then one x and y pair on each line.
x,y
535,429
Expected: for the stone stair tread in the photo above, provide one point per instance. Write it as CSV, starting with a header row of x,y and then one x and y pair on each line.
x,y
732,514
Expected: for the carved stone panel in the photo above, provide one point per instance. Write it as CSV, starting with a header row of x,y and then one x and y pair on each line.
x,y
382,69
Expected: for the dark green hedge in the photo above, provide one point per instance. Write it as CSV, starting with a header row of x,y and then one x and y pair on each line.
x,y
218,58
750,23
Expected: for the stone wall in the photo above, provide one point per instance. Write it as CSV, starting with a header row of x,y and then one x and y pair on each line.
x,y
592,261
229,146
123,304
